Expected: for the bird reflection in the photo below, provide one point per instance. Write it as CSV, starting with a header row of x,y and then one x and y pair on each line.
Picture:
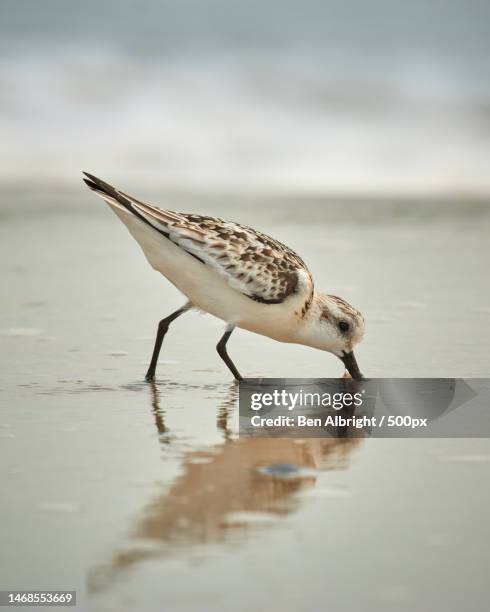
x,y
158,413
225,409
222,488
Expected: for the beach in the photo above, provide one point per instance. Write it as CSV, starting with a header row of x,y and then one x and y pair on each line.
x,y
129,492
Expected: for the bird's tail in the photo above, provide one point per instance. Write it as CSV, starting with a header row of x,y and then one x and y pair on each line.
x,y
119,200
160,220
139,217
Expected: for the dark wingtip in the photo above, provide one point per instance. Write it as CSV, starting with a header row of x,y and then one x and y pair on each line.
x,y
99,185
90,184
91,181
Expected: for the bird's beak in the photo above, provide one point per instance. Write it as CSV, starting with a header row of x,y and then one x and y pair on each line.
x,y
351,365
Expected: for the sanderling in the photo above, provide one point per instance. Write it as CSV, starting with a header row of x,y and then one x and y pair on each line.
x,y
239,275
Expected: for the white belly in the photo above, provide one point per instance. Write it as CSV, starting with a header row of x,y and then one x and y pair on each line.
x,y
209,291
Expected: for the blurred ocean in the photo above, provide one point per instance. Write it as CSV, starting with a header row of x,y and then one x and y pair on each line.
x,y
318,96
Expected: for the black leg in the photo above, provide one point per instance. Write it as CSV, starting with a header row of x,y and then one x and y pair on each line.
x,y
221,348
162,330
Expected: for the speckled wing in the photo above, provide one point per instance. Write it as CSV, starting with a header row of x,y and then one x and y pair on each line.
x,y
253,263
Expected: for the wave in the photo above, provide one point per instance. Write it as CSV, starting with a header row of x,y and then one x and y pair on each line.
x,y
266,120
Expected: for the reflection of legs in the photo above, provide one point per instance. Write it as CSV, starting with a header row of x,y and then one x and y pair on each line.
x,y
221,348
157,412
162,330
224,411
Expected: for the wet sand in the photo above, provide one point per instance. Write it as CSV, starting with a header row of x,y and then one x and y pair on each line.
x,y
143,497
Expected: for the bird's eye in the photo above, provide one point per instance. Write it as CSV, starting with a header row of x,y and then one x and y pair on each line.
x,y
344,326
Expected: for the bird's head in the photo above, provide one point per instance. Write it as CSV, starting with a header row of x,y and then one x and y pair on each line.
x,y
333,325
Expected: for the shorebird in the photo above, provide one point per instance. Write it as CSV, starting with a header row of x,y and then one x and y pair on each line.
x,y
231,271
